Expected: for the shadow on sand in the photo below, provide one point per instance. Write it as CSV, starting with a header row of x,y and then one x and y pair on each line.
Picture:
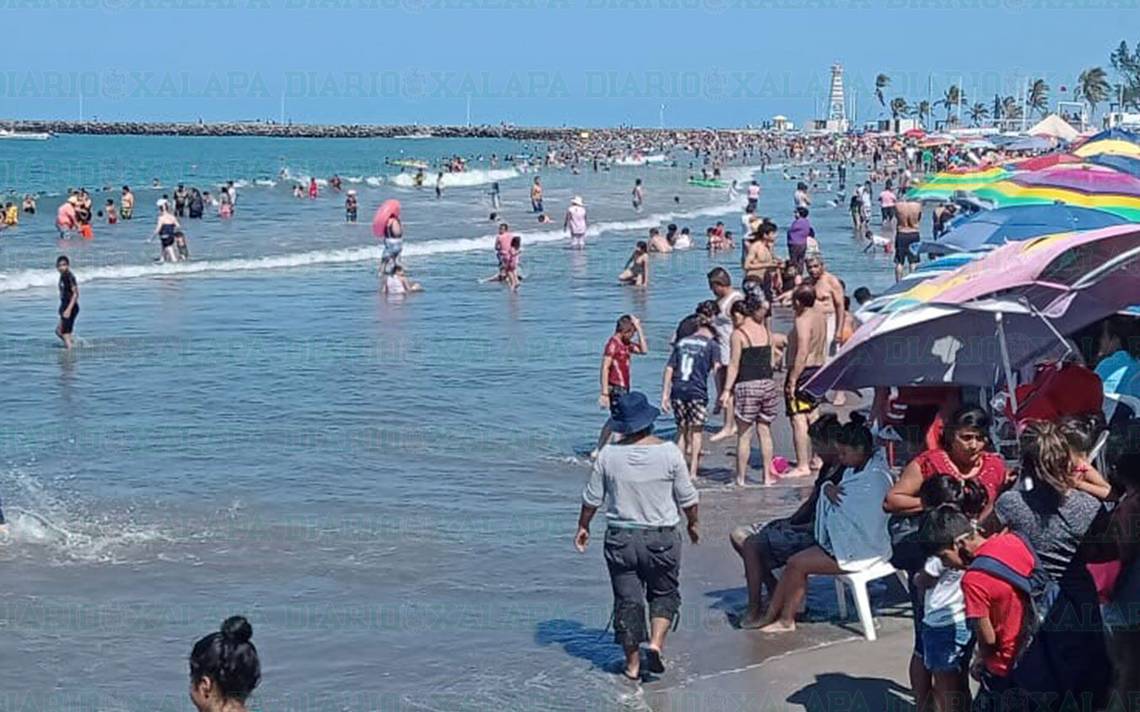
x,y
838,691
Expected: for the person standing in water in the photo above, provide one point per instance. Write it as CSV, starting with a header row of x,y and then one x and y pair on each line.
x,y
313,188
224,668
393,244
439,185
908,213
642,482
807,350
496,199
628,339
536,195
164,229
128,203
575,222
68,302
638,195
350,206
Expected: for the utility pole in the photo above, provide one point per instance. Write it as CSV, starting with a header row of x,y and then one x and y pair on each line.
x,y
282,108
468,110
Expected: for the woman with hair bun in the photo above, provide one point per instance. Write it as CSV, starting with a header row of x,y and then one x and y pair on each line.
x,y
224,668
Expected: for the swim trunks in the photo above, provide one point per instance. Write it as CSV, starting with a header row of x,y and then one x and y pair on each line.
x,y
689,413
801,403
756,401
393,246
67,324
904,248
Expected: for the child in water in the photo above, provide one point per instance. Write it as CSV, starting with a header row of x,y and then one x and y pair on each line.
x,y
511,264
181,246
111,211
397,284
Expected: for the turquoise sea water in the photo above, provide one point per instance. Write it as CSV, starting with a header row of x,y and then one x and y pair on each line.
x,y
387,489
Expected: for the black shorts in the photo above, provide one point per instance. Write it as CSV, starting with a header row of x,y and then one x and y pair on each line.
x,y
888,213
905,242
616,391
67,324
796,255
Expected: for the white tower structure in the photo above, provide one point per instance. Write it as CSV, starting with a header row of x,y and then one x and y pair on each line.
x,y
836,109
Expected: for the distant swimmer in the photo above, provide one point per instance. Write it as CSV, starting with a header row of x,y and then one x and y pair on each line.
x,y
544,219
397,284
350,206
638,195
334,182
164,229
111,212
439,185
312,188
65,220
297,191
753,195
575,223
68,302
536,195
496,200
418,180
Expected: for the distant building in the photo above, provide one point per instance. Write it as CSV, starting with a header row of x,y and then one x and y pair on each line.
x,y
780,123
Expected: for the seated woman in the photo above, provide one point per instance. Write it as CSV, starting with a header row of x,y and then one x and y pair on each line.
x,y
963,453
850,526
765,547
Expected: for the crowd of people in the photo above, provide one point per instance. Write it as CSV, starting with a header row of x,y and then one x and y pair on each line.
x,y
1015,530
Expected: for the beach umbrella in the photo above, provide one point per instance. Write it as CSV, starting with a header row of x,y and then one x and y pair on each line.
x,y
1124,164
1036,163
914,133
993,228
1113,141
926,270
1011,192
1086,178
943,185
1029,143
994,315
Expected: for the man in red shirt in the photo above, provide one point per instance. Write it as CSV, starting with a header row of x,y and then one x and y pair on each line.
x,y
628,339
995,609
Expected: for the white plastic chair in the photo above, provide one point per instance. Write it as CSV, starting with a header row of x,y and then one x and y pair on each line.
x,y
858,581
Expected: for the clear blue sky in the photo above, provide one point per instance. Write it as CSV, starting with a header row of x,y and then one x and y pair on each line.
x,y
534,62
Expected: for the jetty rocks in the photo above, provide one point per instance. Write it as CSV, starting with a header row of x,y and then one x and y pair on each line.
x,y
288,130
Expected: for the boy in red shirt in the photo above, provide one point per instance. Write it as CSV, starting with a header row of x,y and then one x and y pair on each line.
x,y
995,609
628,339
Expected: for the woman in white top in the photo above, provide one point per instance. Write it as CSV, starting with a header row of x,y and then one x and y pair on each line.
x,y
850,526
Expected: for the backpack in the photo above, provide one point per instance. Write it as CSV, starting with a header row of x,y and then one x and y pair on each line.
x,y
1039,589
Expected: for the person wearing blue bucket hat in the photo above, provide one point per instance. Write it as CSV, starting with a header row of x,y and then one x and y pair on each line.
x,y
643,482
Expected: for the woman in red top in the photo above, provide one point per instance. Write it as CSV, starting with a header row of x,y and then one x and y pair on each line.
x,y
962,454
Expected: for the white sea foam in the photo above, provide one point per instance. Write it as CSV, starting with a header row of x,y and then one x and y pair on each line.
x,y
463,179
41,278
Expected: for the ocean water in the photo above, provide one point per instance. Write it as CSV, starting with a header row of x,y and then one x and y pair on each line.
x,y
387,489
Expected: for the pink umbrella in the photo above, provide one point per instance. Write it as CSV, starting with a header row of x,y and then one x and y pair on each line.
x,y
1084,178
977,324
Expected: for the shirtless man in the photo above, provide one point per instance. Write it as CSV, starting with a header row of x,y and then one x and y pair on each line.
x,y
807,350
760,261
909,215
128,203
657,242
828,297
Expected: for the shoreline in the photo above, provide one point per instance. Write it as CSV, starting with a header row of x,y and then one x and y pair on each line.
x,y
290,130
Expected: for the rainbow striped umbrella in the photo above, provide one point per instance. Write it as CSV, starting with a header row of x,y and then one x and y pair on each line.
x,y
1007,193
1086,178
942,186
1116,142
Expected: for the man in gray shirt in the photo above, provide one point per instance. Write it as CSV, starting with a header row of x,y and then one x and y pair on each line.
x,y
642,482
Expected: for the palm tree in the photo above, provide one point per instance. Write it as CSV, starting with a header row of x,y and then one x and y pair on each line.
x,y
1038,97
952,98
978,113
923,111
1010,108
881,82
1093,87
899,108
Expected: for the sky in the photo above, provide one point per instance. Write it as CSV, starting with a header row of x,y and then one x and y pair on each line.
x,y
532,62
